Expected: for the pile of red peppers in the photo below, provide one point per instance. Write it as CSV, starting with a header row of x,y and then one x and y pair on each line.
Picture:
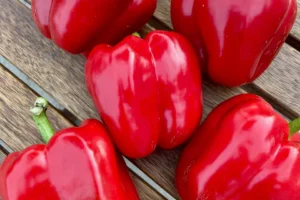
x,y
148,93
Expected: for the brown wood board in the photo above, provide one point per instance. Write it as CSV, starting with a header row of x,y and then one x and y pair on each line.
x,y
18,129
282,80
60,74
296,28
2,156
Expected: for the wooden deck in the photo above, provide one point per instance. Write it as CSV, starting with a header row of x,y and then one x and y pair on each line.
x,y
31,65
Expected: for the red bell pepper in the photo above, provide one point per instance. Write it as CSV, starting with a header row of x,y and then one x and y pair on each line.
x,y
235,40
76,164
148,92
79,25
241,152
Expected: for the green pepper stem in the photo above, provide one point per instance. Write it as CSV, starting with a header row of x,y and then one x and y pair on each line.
x,y
136,34
41,120
294,126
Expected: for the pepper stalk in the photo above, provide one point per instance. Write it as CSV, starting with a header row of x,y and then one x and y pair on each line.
x,y
41,120
136,34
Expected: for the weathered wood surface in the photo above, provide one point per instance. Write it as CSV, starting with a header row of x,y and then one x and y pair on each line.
x,y
16,124
42,61
18,129
2,156
296,29
282,80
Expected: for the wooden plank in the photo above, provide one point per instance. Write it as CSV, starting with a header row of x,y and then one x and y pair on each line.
x,y
163,12
41,60
296,28
145,192
16,124
18,129
2,156
281,80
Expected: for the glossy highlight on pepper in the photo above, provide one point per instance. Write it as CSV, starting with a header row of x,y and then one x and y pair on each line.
x,y
77,164
147,91
242,151
235,40
79,25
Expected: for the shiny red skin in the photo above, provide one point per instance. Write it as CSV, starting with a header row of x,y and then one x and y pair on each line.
x,y
236,40
79,25
78,164
241,152
147,91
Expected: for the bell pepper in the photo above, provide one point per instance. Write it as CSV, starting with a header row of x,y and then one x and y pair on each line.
x,y
244,150
77,164
148,91
235,40
78,25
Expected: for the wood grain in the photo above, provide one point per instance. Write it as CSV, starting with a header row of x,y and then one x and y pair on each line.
x,y
37,57
16,125
2,156
296,28
18,129
281,80
162,12
145,192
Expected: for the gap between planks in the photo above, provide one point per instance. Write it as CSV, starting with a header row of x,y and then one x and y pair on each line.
x,y
33,86
293,42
